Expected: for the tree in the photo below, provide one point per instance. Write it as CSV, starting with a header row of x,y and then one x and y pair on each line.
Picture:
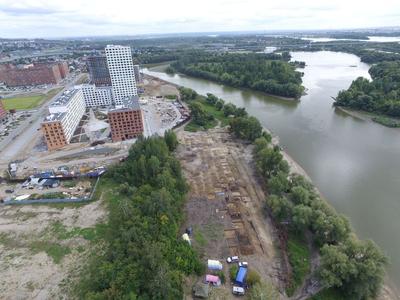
x,y
211,99
302,217
356,267
220,104
229,109
171,140
281,207
199,114
263,291
279,183
248,128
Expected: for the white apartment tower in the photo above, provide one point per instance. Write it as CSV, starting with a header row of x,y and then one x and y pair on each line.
x,y
120,66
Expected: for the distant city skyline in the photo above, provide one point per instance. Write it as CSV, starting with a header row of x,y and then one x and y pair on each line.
x,y
74,18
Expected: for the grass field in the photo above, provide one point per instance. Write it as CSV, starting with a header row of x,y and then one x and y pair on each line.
x,y
28,102
299,257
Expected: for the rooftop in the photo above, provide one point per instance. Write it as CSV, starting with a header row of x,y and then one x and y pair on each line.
x,y
64,98
54,117
131,103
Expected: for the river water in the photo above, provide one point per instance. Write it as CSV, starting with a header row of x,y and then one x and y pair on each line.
x,y
354,163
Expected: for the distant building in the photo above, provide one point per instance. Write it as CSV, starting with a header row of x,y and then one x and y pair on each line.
x,y
98,70
96,96
3,111
126,121
65,114
33,74
138,76
122,74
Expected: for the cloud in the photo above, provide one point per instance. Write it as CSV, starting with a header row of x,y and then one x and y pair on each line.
x,y
59,18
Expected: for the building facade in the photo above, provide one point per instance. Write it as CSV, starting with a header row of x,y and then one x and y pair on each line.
x,y
3,111
138,76
65,114
98,70
33,74
122,74
96,96
126,121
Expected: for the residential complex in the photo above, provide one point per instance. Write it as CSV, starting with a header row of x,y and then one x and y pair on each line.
x,y
98,70
126,120
120,66
33,74
3,111
65,114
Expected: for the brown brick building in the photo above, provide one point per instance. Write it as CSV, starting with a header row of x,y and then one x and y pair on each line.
x,y
33,74
3,111
54,134
126,122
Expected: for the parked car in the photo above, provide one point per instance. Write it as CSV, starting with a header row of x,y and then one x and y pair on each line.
x,y
237,290
232,259
9,191
243,264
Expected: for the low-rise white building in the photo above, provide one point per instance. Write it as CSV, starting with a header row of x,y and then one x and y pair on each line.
x,y
96,96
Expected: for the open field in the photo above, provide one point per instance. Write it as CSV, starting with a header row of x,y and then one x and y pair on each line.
x,y
28,102
225,204
42,248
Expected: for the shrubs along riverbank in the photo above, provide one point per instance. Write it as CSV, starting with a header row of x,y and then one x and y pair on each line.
x,y
352,268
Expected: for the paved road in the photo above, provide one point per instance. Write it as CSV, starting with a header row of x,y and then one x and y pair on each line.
x,y
27,131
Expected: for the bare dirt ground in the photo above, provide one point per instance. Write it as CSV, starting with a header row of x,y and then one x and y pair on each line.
x,y
41,247
154,87
225,205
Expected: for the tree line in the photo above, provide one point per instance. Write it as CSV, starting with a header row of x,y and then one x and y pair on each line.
x,y
144,258
354,267
268,73
381,95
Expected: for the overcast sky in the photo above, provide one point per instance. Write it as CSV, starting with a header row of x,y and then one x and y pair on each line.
x,y
66,18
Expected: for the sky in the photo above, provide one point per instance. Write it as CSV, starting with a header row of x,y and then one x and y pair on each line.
x,y
73,18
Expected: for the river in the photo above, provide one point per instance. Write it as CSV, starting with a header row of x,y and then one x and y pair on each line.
x,y
354,163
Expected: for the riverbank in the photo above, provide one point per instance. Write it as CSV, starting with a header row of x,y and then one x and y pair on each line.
x,y
387,291
367,116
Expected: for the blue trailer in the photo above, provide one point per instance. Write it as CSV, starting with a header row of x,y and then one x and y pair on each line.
x,y
241,276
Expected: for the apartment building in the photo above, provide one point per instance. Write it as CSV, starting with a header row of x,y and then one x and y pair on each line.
x,y
126,120
3,111
64,116
122,74
98,70
96,96
33,74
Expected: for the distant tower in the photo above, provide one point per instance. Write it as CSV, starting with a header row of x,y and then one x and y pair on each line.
x,y
120,66
98,70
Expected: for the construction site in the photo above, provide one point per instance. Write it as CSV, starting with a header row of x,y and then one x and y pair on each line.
x,y
225,204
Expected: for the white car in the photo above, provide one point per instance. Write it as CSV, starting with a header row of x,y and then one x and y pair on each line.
x,y
232,259
243,264
237,290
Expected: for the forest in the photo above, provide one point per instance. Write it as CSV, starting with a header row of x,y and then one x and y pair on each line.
x,y
145,256
268,73
381,95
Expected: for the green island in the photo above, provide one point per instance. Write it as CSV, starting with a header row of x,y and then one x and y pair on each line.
x,y
268,73
381,96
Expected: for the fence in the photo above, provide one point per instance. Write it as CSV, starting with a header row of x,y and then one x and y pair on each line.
x,y
56,200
